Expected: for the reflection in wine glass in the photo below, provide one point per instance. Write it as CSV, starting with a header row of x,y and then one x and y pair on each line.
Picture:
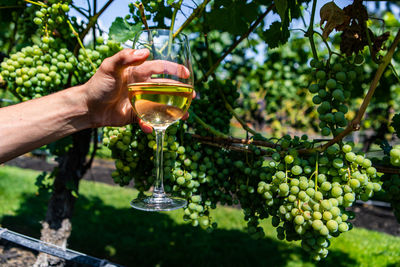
x,y
161,91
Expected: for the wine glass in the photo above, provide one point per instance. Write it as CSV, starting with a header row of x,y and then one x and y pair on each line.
x,y
161,91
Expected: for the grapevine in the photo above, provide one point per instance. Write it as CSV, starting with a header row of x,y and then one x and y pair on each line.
x,y
305,185
305,191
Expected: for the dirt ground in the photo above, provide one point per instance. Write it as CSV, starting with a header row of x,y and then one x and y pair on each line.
x,y
11,255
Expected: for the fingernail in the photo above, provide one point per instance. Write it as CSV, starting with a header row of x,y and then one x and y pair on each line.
x,y
140,52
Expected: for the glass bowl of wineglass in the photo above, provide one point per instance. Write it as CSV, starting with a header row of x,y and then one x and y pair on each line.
x,y
161,91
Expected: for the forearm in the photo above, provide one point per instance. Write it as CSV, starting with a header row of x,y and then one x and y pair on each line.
x,y
29,125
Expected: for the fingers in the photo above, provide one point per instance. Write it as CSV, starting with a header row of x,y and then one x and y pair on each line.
x,y
185,117
145,127
145,70
125,58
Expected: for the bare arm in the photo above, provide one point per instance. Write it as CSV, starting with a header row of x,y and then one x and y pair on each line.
x,y
102,101
31,124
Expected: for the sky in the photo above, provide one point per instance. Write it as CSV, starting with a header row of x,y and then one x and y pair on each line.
x,y
119,8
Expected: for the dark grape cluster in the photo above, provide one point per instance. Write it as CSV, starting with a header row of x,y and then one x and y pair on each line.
x,y
332,87
391,185
210,107
391,182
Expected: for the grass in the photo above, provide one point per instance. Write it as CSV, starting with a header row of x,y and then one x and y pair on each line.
x,y
105,226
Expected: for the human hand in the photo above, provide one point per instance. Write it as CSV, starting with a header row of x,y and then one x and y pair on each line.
x,y
107,95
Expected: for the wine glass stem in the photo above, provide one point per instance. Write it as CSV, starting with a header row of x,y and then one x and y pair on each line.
x,y
158,191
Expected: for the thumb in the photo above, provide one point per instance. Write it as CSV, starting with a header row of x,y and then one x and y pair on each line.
x,y
125,58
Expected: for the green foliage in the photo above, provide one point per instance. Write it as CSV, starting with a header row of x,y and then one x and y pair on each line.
x,y
167,238
239,12
121,31
306,193
281,7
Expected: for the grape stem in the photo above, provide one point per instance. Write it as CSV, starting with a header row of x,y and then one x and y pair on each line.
x,y
232,111
209,128
171,35
394,72
235,44
36,3
195,14
94,24
371,50
310,31
142,15
80,44
79,10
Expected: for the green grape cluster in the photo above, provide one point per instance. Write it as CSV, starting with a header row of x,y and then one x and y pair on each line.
x,y
35,73
395,156
87,67
185,168
332,87
50,17
307,196
129,146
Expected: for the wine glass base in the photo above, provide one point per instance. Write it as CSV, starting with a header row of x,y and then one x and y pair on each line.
x,y
158,203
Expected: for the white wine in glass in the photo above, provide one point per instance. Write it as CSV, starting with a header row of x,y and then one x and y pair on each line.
x,y
161,91
160,104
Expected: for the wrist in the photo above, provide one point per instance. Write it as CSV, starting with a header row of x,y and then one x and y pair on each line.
x,y
75,99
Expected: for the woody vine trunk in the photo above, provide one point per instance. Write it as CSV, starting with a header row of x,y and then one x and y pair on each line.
x,y
56,228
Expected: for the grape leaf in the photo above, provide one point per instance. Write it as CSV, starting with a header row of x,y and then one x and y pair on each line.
x,y
276,35
281,6
385,146
396,124
121,31
334,17
232,16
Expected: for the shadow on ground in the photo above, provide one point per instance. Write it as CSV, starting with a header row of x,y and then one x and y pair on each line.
x,y
135,238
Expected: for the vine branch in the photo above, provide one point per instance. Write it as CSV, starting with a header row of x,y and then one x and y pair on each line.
x,y
310,31
209,128
385,169
80,11
92,21
232,140
196,13
230,109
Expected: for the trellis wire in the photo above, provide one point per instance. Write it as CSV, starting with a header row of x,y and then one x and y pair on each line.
x,y
54,250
